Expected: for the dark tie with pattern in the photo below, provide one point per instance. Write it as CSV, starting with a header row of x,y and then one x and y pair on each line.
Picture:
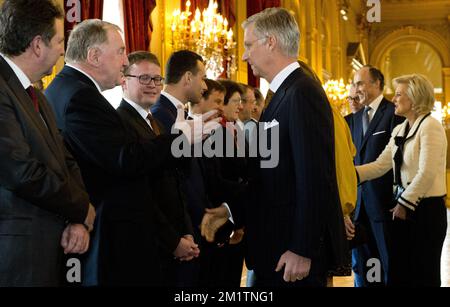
x,y
154,124
32,93
366,120
268,99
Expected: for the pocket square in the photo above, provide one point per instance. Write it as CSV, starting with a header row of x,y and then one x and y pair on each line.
x,y
379,132
271,124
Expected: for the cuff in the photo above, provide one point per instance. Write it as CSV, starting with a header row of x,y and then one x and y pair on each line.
x,y
406,203
229,212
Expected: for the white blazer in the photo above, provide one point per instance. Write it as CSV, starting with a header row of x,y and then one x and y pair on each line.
x,y
423,171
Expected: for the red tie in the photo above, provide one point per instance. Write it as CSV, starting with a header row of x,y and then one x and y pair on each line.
x,y
30,90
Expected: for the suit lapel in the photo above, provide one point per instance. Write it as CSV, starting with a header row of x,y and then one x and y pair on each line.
x,y
374,122
279,95
137,118
168,105
24,101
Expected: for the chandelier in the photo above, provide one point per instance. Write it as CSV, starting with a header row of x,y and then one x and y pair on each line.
x,y
337,92
208,35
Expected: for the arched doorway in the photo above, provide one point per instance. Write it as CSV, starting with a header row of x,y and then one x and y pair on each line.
x,y
409,34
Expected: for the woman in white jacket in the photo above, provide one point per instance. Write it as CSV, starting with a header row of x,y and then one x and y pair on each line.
x,y
417,153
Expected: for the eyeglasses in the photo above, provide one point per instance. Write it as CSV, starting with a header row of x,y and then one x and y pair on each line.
x,y
353,99
147,79
236,100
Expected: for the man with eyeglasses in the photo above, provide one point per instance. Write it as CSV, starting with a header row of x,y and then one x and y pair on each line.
x,y
355,106
142,85
114,162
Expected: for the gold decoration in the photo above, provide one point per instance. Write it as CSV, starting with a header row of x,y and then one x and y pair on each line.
x,y
208,35
337,92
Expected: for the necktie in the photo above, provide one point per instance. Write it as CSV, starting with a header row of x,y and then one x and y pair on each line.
x,y
31,92
154,124
365,119
268,99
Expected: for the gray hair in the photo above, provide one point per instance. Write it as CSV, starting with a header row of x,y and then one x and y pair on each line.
x,y
280,23
420,91
88,34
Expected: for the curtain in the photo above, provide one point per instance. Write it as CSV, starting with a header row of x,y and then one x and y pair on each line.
x,y
91,9
137,23
253,7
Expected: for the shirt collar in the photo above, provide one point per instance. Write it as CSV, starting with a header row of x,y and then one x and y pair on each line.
x,y
282,75
142,112
376,103
173,100
87,75
24,80
194,115
240,123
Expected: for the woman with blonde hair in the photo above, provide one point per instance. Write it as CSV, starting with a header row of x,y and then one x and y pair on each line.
x,y
417,153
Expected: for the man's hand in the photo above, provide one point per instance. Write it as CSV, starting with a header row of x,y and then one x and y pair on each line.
x,y
195,130
237,236
186,249
296,267
398,212
349,227
90,218
212,220
75,239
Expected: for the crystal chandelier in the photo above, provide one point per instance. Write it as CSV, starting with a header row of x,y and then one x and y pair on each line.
x,y
208,35
337,92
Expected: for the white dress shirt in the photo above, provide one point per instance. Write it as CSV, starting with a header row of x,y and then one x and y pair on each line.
x,y
24,80
142,112
282,75
374,107
87,75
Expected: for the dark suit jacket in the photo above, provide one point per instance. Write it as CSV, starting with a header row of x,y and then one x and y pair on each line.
x,y
296,203
165,112
190,172
163,183
349,119
40,188
376,194
114,167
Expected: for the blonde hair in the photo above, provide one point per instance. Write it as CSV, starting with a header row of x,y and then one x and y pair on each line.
x,y
280,23
420,91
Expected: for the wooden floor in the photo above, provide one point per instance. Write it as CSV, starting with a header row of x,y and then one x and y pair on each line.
x,y
445,265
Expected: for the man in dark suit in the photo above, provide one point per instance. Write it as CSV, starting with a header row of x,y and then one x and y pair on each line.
x,y
354,104
43,202
142,85
371,131
114,164
294,221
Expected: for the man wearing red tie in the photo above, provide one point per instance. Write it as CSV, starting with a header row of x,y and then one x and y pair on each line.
x,y
43,199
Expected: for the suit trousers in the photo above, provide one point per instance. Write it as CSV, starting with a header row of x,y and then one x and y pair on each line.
x,y
377,246
417,245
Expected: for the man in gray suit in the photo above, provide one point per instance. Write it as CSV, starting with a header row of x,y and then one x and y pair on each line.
x,y
43,203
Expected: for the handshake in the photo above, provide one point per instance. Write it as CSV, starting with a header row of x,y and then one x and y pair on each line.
x,y
217,228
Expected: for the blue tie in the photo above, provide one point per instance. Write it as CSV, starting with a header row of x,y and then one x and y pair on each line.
x,y
365,119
